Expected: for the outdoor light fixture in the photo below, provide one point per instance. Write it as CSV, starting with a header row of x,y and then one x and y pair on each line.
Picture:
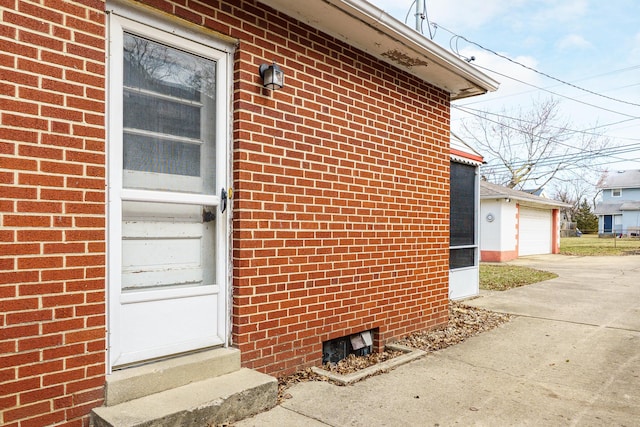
x,y
272,76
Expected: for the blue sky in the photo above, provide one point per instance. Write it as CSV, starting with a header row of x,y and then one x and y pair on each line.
x,y
591,44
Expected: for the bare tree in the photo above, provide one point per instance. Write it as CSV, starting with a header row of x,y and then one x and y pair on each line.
x,y
573,190
528,149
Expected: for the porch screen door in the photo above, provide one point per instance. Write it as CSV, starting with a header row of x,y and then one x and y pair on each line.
x,y
167,172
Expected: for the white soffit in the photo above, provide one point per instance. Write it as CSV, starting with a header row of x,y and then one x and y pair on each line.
x,y
370,29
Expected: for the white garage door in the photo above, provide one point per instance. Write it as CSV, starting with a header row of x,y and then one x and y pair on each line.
x,y
535,231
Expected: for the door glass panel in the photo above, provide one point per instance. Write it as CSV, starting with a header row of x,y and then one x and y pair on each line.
x,y
168,118
166,245
160,115
152,154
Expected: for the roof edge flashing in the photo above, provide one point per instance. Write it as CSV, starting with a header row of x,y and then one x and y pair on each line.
x,y
372,30
417,38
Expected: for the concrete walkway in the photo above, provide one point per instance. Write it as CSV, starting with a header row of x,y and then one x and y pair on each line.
x,y
571,357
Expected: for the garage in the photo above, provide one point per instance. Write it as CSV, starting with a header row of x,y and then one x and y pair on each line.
x,y
535,231
515,223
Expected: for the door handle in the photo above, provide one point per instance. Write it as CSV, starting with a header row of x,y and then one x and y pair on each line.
x,y
223,200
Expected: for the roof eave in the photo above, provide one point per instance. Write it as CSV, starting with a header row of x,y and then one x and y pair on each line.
x,y
526,202
370,29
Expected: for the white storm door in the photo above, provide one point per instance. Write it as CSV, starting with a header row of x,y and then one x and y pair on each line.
x,y
167,173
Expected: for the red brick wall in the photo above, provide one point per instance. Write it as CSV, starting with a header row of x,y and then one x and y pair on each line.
x,y
341,209
52,212
341,194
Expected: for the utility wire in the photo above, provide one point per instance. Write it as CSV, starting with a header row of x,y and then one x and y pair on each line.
x,y
550,161
424,16
553,160
511,127
558,94
580,154
571,168
457,36
608,73
470,110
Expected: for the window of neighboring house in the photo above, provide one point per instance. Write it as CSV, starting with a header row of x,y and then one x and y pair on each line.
x,y
462,228
616,192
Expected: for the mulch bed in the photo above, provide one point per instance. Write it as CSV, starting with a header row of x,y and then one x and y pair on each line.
x,y
464,322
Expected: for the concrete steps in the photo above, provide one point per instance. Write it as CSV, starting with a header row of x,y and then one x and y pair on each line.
x,y
200,390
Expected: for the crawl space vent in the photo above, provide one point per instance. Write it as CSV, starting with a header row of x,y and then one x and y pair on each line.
x,y
337,349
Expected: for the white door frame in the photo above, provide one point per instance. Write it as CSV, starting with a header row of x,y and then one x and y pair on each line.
x,y
129,18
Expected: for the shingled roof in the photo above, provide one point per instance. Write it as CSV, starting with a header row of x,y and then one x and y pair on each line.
x,y
489,190
622,179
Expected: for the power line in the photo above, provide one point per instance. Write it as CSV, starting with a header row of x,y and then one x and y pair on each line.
x,y
558,94
511,127
457,36
580,154
470,110
571,168
577,155
620,70
584,155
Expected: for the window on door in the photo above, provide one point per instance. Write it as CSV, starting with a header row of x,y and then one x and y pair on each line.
x,y
169,125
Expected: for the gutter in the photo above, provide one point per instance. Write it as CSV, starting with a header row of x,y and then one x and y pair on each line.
x,y
420,42
370,29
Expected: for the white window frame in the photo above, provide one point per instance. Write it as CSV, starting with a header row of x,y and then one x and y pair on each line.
x,y
616,190
131,19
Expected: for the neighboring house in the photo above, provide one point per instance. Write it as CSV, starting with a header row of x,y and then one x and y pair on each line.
x,y
619,210
156,201
515,223
464,227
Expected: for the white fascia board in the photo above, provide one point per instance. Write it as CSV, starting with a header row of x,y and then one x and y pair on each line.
x,y
523,201
370,29
541,204
467,161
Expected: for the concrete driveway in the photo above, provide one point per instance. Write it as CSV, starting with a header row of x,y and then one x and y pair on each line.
x,y
571,357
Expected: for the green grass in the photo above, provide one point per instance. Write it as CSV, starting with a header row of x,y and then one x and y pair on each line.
x,y
591,245
502,277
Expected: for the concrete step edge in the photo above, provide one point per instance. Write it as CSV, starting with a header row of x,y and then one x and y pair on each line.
x,y
223,399
136,382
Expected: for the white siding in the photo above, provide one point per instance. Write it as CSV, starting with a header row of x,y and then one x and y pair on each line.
x,y
500,233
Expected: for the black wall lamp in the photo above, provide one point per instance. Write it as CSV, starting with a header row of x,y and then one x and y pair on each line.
x,y
272,76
